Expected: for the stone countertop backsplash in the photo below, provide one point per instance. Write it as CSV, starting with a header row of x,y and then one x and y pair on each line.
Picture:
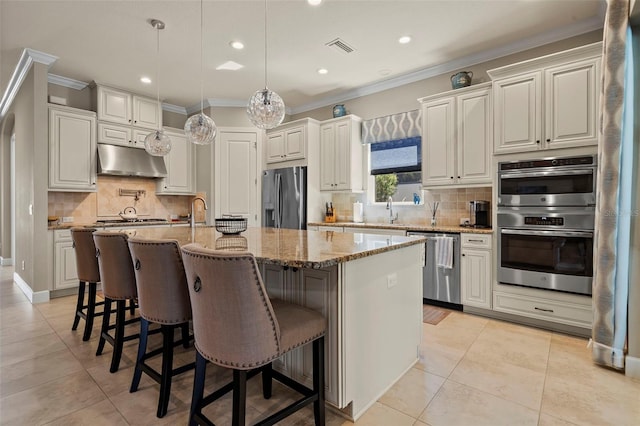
x,y
408,227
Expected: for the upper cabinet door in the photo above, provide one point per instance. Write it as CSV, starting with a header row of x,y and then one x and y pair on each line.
x,y
518,113
327,157
438,132
72,149
146,113
342,156
294,140
474,137
275,147
180,164
114,105
571,101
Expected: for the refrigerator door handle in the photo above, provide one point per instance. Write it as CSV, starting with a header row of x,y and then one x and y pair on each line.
x,y
278,209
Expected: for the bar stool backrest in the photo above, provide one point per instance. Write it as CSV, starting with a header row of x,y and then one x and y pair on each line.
x,y
163,296
116,267
233,321
85,249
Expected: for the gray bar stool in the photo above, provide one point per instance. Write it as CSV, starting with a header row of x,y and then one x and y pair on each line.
x,y
237,326
119,285
163,298
88,275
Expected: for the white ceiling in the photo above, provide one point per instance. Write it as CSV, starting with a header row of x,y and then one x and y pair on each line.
x,y
111,42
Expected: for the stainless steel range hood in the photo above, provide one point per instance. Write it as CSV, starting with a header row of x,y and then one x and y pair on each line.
x,y
124,161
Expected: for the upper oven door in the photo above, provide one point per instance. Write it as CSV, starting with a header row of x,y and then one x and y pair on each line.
x,y
557,187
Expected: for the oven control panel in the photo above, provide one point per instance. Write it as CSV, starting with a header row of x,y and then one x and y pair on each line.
x,y
550,162
544,221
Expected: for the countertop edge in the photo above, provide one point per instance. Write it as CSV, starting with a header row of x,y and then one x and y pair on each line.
x,y
407,227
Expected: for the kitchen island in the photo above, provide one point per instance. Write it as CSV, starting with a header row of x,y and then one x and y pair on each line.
x,y
369,287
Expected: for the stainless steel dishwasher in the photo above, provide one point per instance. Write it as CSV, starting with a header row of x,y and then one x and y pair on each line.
x,y
440,286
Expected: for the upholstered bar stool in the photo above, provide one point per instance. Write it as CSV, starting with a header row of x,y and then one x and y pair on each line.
x,y
163,298
119,285
237,326
88,275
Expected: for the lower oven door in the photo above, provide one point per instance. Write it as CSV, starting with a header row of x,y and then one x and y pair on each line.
x,y
546,259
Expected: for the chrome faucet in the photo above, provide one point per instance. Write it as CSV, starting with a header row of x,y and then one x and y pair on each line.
x,y
390,208
193,204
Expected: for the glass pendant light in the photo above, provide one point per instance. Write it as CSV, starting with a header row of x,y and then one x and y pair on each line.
x,y
200,128
266,108
157,142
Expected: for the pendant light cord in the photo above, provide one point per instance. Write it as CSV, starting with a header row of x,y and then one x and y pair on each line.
x,y
158,65
201,66
265,44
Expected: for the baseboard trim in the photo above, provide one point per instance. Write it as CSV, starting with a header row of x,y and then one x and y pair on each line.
x,y
6,261
34,297
632,367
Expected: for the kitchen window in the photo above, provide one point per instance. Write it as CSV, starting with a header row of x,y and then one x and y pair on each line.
x,y
395,160
396,169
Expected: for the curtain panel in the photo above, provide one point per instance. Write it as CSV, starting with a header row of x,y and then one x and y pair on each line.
x,y
613,206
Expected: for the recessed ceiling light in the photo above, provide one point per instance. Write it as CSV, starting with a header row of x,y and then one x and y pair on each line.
x,y
314,2
238,45
323,71
404,39
145,80
230,66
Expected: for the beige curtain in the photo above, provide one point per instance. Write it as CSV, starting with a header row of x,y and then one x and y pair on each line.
x,y
611,279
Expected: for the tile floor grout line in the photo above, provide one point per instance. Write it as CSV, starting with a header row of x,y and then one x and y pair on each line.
x,y
544,380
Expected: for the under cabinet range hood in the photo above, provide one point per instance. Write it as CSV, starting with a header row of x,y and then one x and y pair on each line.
x,y
124,161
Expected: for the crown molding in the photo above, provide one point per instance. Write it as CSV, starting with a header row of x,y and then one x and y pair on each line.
x,y
578,28
174,108
66,82
28,57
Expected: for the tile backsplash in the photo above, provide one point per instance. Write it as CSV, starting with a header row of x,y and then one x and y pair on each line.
x,y
454,205
107,203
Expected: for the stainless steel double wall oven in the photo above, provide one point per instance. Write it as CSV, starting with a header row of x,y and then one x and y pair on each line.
x,y
546,211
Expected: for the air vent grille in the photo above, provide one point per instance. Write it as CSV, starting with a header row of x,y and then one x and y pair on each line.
x,y
340,45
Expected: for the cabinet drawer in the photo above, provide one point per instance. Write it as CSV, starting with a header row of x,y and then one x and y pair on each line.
x,y
544,309
476,240
114,134
61,235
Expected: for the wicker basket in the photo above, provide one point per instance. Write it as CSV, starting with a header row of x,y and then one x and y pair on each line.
x,y
231,225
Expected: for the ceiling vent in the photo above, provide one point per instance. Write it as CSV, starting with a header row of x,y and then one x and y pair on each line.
x,y
340,45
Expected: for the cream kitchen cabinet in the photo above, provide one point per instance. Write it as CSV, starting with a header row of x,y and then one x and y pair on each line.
x,y
456,137
341,154
64,260
287,144
475,270
120,107
181,166
316,289
72,149
549,102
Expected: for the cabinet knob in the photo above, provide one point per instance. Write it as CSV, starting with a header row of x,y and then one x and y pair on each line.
x,y
537,141
463,254
135,121
451,177
458,177
129,120
548,140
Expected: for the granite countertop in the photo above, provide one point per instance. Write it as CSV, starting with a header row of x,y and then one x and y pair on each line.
x,y
286,247
407,227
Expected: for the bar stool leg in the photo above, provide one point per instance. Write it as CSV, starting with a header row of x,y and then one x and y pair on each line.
x,y
184,327
142,350
79,305
318,381
91,312
198,387
167,366
267,380
239,397
118,340
104,330
132,307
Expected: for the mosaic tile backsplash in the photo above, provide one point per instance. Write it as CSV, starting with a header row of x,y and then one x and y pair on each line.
x,y
107,203
454,205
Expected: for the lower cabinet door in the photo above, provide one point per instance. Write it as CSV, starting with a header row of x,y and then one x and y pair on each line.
x,y
475,277
65,272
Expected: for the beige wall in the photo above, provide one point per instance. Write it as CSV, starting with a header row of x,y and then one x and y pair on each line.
x,y
404,98
31,130
75,98
5,188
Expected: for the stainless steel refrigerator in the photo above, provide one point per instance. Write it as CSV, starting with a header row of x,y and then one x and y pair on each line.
x,y
284,198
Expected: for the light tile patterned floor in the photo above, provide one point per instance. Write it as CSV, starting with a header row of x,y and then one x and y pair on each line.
x,y
472,371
